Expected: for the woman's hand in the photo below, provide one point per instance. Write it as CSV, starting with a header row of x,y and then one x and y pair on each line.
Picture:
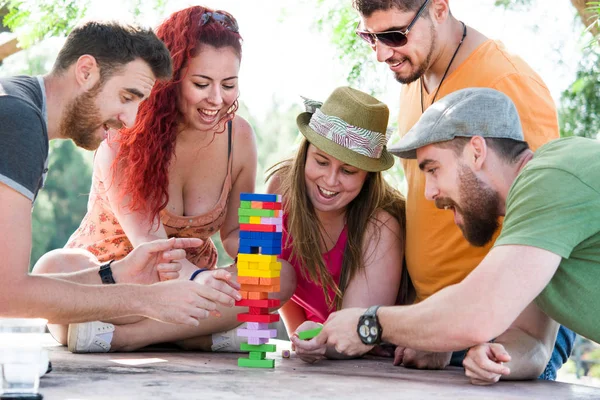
x,y
308,350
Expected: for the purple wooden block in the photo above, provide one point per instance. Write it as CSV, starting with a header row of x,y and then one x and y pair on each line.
x,y
278,228
264,333
256,325
255,340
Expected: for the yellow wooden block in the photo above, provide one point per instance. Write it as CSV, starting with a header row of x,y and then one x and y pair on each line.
x,y
276,266
257,258
255,220
257,266
258,273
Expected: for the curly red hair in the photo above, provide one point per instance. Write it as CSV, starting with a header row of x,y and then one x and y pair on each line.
x,y
146,149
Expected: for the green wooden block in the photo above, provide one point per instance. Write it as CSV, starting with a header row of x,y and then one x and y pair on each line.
x,y
309,334
254,212
267,348
243,220
245,204
246,362
256,355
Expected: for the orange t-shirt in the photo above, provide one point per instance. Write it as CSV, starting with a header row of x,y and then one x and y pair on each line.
x,y
437,254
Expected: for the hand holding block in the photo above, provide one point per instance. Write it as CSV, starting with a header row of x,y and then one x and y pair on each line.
x,y
309,334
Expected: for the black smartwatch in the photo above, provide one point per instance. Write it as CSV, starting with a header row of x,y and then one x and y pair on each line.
x,y
106,273
369,330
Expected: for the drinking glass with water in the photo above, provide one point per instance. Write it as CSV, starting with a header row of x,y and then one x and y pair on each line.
x,y
20,356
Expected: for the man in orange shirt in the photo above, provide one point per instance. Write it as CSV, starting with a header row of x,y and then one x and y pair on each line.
x,y
434,54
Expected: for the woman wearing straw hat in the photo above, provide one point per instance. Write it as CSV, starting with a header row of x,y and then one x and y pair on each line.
x,y
343,223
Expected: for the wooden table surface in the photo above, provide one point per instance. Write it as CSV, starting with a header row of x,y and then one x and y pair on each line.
x,y
171,374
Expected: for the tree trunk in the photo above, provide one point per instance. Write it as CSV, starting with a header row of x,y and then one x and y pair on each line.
x,y
588,17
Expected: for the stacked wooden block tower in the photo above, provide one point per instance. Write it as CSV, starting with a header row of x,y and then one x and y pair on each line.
x,y
258,274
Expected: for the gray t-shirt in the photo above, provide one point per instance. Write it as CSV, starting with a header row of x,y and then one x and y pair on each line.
x,y
23,134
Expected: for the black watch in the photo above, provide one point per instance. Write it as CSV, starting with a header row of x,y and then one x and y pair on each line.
x,y
106,273
369,330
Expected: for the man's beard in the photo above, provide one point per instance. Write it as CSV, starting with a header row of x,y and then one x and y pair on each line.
x,y
424,66
81,119
480,208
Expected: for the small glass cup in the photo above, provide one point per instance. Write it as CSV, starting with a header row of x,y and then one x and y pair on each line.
x,y
20,356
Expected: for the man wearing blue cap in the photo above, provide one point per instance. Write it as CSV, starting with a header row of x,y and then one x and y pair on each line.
x,y
470,147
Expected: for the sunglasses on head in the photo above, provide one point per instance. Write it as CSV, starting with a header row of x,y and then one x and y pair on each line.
x,y
391,38
221,17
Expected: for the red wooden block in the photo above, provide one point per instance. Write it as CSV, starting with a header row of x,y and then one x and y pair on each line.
x,y
258,311
258,228
269,205
270,303
258,318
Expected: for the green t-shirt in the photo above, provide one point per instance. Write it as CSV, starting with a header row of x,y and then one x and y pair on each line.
x,y
554,204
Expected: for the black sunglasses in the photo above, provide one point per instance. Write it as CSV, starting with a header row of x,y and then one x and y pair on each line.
x,y
221,17
391,38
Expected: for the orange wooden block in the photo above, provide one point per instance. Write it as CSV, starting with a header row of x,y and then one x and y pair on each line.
x,y
244,294
270,281
257,205
249,280
258,295
261,288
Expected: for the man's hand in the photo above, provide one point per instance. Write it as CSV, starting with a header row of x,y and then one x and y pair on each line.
x,y
220,280
182,302
484,363
411,358
308,350
154,261
339,331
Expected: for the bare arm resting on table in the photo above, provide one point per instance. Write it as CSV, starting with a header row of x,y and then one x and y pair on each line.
x,y
522,352
474,311
62,301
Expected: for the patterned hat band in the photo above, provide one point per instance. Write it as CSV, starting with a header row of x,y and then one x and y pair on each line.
x,y
359,140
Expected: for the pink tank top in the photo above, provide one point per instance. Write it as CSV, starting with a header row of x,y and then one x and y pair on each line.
x,y
308,294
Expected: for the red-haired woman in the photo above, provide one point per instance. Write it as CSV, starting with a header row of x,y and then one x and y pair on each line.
x,y
178,172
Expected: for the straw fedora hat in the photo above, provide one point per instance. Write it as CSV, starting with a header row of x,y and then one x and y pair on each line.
x,y
350,126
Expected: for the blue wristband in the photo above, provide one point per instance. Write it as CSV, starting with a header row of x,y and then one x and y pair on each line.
x,y
196,272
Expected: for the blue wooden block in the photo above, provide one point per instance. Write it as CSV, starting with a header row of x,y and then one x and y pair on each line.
x,y
259,243
246,235
258,197
269,236
248,250
273,251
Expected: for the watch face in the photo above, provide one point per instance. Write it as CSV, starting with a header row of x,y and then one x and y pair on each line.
x,y
374,331
363,331
368,330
